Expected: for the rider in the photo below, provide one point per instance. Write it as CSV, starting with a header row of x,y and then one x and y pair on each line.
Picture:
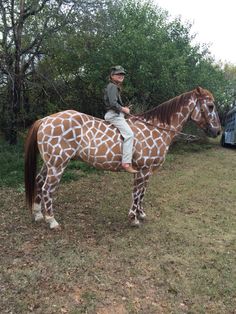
x,y
116,114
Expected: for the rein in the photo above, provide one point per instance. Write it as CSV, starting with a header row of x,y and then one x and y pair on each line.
x,y
189,137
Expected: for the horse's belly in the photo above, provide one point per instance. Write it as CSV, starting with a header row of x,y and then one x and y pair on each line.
x,y
101,154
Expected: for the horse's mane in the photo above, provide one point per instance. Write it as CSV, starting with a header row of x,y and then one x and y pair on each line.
x,y
165,110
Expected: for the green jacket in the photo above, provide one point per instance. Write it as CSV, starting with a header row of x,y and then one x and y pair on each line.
x,y
112,97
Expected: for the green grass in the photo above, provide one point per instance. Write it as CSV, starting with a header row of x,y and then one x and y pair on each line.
x,y
181,260
77,169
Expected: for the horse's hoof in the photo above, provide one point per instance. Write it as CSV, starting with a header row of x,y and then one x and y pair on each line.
x,y
56,228
142,215
135,222
38,217
53,224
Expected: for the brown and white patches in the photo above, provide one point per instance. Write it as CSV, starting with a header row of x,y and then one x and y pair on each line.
x,y
69,134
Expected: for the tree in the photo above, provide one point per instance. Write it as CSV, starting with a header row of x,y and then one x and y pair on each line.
x,y
24,26
228,95
56,54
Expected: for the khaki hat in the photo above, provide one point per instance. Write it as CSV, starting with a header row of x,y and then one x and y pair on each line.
x,y
117,70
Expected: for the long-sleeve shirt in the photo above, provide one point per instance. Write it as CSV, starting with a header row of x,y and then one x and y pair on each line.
x,y
112,97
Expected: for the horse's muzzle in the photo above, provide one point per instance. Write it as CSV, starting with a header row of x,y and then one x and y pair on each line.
x,y
213,132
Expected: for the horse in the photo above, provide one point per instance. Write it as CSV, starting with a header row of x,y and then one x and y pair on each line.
x,y
69,134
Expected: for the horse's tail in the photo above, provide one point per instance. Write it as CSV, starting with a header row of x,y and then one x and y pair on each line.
x,y
31,152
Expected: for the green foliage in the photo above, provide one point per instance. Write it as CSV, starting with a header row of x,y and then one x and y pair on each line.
x,y
82,41
158,55
11,160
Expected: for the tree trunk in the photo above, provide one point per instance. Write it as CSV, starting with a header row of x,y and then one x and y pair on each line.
x,y
15,103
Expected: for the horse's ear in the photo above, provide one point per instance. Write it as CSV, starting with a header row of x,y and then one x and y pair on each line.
x,y
203,92
199,90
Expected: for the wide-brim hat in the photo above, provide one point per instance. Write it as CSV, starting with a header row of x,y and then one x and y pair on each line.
x,y
117,70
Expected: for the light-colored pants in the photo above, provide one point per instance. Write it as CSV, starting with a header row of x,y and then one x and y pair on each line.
x,y
118,120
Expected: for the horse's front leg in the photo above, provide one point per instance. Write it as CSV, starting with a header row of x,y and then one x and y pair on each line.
x,y
136,211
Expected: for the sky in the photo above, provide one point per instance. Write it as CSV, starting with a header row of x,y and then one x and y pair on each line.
x,y
213,21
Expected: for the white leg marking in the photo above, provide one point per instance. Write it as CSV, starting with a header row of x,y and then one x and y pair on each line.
x,y
37,212
142,215
53,224
135,222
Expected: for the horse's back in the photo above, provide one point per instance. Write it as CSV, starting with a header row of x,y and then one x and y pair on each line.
x,y
76,118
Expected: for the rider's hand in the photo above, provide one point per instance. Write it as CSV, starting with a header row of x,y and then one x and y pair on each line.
x,y
126,110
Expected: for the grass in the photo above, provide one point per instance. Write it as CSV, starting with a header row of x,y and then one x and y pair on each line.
x,y
182,260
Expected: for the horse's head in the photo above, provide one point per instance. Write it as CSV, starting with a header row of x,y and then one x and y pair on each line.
x,y
204,113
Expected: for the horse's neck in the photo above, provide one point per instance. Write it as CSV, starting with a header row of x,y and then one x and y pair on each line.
x,y
178,119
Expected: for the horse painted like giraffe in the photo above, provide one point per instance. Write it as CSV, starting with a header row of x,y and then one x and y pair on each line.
x,y
71,134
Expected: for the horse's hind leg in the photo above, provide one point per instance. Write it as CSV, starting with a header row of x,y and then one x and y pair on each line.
x,y
37,206
52,180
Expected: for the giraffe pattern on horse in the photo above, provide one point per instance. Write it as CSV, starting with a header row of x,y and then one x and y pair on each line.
x,y
70,134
